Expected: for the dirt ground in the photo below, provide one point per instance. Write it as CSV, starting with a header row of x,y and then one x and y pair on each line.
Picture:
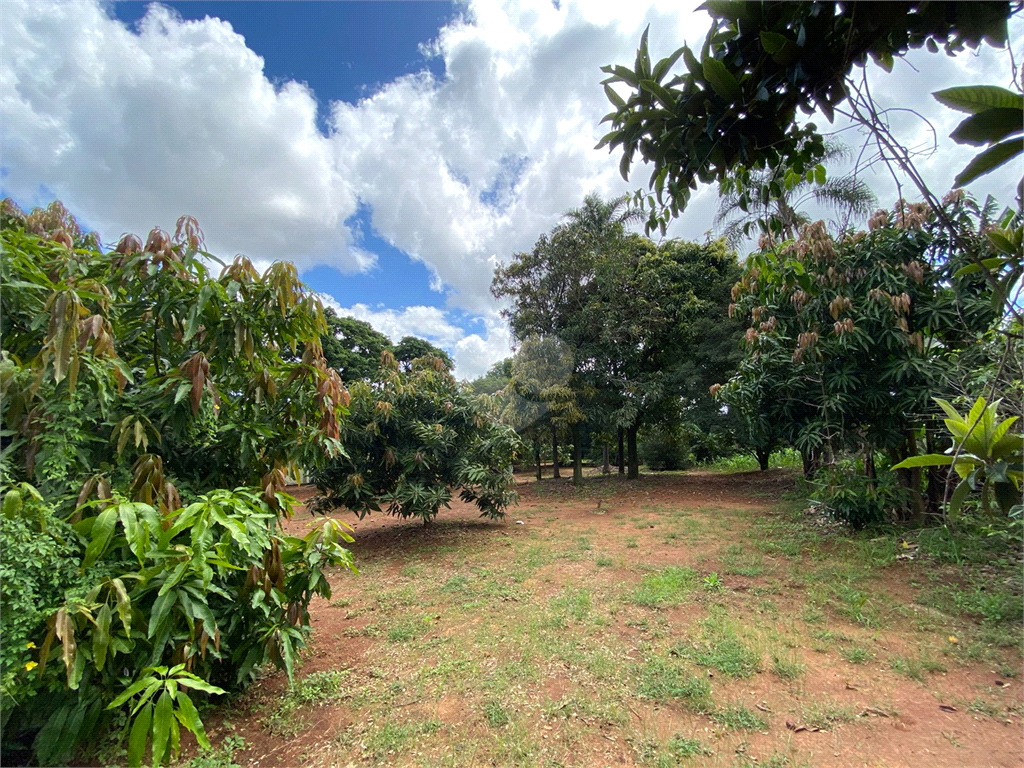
x,y
689,619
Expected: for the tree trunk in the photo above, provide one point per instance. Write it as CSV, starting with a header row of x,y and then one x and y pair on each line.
x,y
577,455
536,457
634,464
605,467
812,462
763,454
554,453
910,479
622,454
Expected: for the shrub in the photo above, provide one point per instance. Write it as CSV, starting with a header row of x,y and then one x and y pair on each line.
x,y
664,448
860,501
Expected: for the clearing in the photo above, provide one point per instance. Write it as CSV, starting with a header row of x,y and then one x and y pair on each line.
x,y
686,619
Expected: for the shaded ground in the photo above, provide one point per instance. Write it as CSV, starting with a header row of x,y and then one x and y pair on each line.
x,y
694,619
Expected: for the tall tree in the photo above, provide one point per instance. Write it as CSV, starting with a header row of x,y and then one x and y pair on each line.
x,y
781,216
412,348
352,347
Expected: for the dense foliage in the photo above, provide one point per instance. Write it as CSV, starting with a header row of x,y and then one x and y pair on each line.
x,y
735,108
411,440
850,337
137,388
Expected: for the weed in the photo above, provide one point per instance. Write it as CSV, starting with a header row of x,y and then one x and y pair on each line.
x,y
631,542
712,583
812,614
665,587
602,561
739,718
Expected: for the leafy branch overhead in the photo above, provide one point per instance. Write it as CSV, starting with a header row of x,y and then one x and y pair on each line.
x,y
736,106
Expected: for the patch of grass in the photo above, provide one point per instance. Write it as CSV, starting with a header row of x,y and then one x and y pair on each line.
x,y
787,669
668,586
986,600
496,714
408,628
631,542
913,668
571,603
314,688
825,715
664,680
457,585
739,718
713,583
857,655
390,739
602,561
721,648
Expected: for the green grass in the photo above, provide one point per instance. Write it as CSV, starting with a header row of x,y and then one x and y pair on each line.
x,y
915,669
669,586
314,688
602,561
665,680
496,714
721,648
631,542
824,716
408,628
222,756
787,669
857,655
739,718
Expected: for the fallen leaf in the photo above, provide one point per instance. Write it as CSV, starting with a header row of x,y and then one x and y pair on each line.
x,y
947,708
852,687
762,707
953,640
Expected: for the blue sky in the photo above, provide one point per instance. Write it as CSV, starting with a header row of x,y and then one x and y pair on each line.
x,y
395,151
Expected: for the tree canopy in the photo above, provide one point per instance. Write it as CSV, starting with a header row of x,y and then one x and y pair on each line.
x,y
736,106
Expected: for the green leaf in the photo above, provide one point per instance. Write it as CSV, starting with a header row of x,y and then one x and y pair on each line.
x,y
189,717
958,496
200,685
139,736
133,689
989,160
819,174
101,636
772,42
613,97
721,79
102,531
659,92
927,460
662,67
161,607
977,98
988,127
163,713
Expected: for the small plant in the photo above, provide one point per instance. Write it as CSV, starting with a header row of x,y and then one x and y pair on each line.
x,y
712,583
632,542
219,757
602,561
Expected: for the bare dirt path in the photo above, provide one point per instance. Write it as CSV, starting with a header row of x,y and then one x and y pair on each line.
x,y
694,619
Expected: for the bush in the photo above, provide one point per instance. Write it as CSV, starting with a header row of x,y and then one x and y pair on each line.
x,y
40,562
664,448
858,500
413,439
